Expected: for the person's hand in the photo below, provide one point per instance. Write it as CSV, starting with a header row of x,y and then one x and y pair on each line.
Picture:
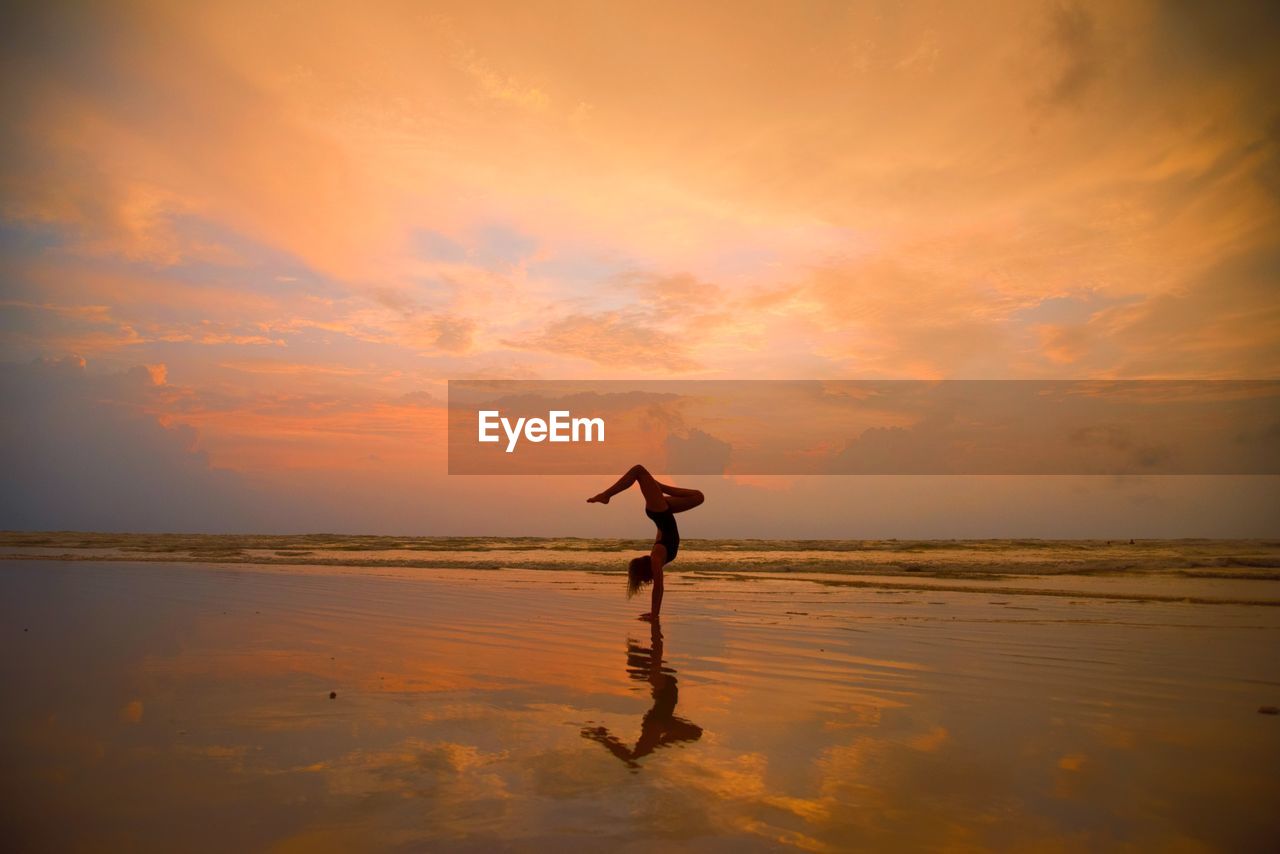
x,y
598,499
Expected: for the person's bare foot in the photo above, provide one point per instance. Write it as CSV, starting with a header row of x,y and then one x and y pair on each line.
x,y
598,499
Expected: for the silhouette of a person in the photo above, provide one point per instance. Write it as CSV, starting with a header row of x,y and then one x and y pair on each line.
x,y
661,504
660,726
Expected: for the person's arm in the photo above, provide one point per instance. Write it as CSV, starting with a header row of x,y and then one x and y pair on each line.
x,y
657,582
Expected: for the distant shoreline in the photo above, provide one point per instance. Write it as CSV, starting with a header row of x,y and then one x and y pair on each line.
x,y
85,539
1182,571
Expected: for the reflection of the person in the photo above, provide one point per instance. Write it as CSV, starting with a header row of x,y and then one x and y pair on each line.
x,y
660,726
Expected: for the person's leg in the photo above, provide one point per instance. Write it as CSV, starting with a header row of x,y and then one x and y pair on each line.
x,y
653,498
612,742
668,489
680,499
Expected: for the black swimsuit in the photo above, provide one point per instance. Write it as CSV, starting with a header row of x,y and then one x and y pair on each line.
x,y
666,522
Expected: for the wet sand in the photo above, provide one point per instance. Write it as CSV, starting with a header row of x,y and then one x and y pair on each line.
x,y
161,705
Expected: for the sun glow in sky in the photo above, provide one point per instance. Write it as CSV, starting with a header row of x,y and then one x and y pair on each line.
x,y
245,244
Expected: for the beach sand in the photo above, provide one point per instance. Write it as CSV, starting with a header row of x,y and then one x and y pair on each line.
x,y
173,704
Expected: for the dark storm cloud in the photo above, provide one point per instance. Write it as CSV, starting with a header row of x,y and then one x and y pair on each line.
x,y
81,453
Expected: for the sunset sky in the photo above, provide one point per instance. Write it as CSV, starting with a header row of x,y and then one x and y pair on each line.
x,y
244,245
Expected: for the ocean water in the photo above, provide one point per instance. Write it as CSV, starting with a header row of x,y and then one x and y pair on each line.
x,y
1254,559
1222,571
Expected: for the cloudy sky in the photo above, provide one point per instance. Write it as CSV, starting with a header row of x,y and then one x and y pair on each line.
x,y
243,245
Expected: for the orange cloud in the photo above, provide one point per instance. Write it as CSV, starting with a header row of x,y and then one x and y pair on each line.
x,y
397,196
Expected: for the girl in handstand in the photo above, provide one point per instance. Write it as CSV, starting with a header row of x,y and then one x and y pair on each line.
x,y
661,503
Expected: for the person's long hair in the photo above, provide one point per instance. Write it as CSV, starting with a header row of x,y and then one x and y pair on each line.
x,y
639,573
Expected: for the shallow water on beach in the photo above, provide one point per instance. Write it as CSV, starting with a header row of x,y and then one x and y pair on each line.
x,y
161,706
1249,559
